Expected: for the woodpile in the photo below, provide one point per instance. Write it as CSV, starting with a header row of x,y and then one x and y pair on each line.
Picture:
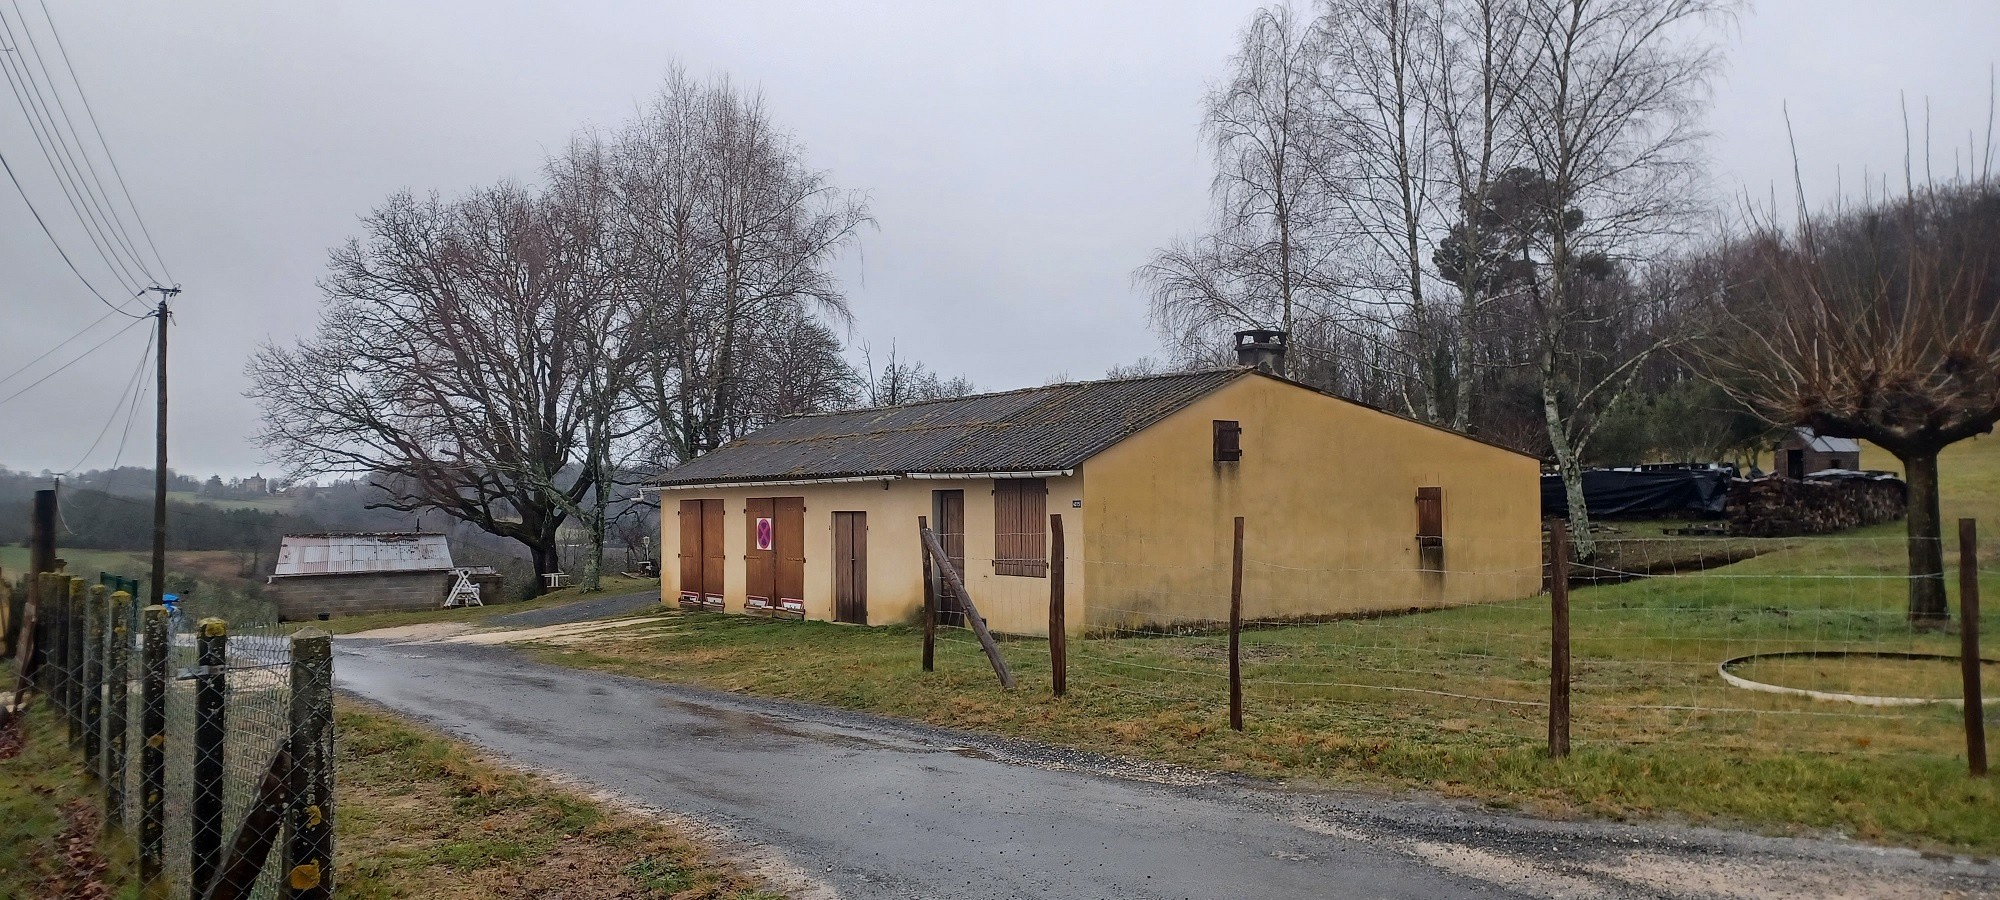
x,y
1784,507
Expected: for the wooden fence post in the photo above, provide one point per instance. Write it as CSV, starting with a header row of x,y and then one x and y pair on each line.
x,y
260,829
972,615
117,674
78,605
1968,645
94,632
211,688
1236,629
930,596
1558,639
309,852
1058,615
152,754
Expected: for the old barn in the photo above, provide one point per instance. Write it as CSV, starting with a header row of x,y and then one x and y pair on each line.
x,y
1349,509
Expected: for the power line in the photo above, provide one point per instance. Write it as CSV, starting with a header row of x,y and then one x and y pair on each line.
x,y
131,388
97,211
116,174
58,244
65,342
79,357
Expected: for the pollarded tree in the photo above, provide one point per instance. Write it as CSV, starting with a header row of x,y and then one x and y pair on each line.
x,y
1879,322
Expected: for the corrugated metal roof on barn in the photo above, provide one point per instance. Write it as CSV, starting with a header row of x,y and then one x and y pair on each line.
x,y
350,554
1035,429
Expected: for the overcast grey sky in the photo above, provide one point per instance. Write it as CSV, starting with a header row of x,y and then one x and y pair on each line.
x,y
1021,158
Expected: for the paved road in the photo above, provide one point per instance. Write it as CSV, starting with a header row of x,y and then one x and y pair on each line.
x,y
868,807
580,611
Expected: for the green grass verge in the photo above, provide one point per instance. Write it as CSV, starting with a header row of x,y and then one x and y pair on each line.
x,y
421,816
46,802
613,585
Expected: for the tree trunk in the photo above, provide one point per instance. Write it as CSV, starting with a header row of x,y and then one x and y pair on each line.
x,y
593,561
1926,544
1582,545
547,561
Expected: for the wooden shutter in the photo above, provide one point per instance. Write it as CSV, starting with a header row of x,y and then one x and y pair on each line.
x,y
1020,546
1228,440
791,553
760,569
712,553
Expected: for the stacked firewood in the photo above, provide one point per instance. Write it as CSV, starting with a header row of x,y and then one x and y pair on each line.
x,y
1783,507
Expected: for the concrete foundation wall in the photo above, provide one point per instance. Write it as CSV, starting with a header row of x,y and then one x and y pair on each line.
x,y
306,597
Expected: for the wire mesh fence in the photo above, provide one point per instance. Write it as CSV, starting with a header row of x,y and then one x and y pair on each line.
x,y
1729,644
211,737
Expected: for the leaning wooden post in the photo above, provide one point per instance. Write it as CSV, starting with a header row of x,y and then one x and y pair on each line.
x,y
1558,639
153,753
117,674
211,688
1236,630
309,852
237,878
94,610
1058,615
1968,645
930,596
972,615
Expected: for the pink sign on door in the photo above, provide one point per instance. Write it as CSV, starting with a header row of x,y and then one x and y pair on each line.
x,y
764,531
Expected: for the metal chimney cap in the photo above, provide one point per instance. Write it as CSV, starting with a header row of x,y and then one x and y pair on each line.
x,y
1270,337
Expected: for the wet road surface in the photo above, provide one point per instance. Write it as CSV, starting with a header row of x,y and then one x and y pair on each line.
x,y
860,806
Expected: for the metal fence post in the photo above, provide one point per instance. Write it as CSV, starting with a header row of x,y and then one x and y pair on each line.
x,y
309,851
1968,645
152,755
211,688
1558,639
118,674
93,679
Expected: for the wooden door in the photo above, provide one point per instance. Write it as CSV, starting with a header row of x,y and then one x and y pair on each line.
x,y
949,510
711,552
760,570
693,571
850,567
791,553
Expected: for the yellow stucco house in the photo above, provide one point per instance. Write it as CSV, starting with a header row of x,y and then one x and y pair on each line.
x,y
1348,509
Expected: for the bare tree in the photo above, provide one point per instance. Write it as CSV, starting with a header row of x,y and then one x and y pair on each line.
x,y
1879,322
906,382
1607,117
1268,258
441,368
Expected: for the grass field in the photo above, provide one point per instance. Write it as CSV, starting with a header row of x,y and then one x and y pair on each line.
x,y
214,569
1450,700
49,819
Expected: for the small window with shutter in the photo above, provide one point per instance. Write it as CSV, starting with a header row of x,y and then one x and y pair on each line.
x,y
1430,529
1020,506
1228,440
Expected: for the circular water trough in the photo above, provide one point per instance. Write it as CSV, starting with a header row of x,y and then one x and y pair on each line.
x,y
1863,699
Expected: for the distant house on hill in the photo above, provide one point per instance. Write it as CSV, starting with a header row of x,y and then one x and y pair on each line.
x,y
1804,452
1349,509
344,574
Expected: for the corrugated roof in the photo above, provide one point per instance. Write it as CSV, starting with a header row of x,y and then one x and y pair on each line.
x,y
348,554
1036,429
1829,444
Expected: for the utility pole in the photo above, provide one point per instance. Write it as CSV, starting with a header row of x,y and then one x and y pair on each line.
x,y
160,455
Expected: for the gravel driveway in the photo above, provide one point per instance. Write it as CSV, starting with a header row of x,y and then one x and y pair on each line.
x,y
840,804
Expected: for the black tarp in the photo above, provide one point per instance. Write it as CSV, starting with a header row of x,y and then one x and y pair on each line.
x,y
1642,493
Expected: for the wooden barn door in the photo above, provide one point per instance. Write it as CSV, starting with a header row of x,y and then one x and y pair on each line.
x,y
701,553
948,508
791,553
760,569
850,567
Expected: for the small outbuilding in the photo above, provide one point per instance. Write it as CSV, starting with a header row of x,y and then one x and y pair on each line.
x,y
1804,452
1349,509
328,575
